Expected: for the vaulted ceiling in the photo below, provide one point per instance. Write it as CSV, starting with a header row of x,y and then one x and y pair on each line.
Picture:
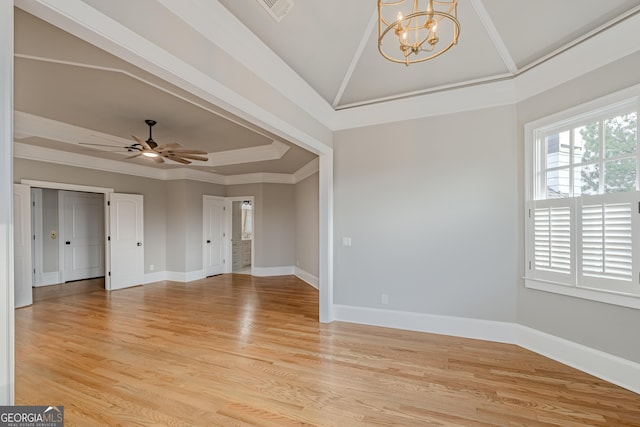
x,y
322,55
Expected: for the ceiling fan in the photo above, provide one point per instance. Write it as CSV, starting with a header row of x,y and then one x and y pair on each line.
x,y
150,148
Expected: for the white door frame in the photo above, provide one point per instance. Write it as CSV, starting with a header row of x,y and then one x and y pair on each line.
x,y
36,229
7,304
229,229
22,238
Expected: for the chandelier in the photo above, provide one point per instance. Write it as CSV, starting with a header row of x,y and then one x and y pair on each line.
x,y
418,29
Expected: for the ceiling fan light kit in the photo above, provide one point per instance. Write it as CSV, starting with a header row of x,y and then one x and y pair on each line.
x,y
423,30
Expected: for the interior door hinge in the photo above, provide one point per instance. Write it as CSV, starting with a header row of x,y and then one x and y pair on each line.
x,y
109,274
529,213
33,204
109,238
529,265
109,203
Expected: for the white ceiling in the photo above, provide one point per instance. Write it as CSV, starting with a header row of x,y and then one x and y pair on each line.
x,y
499,38
331,45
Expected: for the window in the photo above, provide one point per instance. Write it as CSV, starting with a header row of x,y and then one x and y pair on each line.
x,y
583,204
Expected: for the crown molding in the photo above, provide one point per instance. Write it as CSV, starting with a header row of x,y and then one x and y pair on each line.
x,y
263,178
48,155
273,151
29,125
307,170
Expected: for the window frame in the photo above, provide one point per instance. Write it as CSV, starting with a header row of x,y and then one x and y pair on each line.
x,y
616,103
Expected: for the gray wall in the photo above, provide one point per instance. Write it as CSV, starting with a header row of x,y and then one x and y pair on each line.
x,y
431,207
153,191
307,222
184,223
176,211
606,327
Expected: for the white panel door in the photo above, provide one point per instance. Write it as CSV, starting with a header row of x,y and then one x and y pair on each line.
x,y
22,245
82,235
126,239
213,234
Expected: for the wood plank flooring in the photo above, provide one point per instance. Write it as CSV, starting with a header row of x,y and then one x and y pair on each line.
x,y
236,350
43,293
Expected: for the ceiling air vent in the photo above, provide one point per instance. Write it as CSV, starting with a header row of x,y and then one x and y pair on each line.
x,y
277,8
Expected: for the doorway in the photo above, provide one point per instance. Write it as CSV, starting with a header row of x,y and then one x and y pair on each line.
x,y
241,236
68,236
122,235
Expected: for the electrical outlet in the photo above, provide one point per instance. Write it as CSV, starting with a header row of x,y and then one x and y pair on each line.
x,y
346,241
384,299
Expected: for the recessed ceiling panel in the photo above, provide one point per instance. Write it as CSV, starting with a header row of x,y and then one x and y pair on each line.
x,y
532,29
117,104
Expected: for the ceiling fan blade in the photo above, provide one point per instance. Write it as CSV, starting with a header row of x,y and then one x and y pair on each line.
x,y
179,160
158,159
141,142
134,156
192,157
101,145
186,151
169,146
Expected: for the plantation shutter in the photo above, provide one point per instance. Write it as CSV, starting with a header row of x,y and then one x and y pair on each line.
x,y
607,250
552,230
552,255
606,241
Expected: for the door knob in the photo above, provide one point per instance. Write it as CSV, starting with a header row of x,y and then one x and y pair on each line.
x,y
208,241
67,242
139,244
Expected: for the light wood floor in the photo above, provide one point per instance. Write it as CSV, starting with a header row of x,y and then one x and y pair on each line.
x,y
43,293
235,350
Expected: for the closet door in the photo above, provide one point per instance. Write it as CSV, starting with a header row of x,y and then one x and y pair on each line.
x,y
126,241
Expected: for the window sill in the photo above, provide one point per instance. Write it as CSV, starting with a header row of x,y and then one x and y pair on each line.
x,y
584,293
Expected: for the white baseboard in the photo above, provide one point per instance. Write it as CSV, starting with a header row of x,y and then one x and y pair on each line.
x,y
188,276
307,277
51,278
157,276
436,324
608,367
272,271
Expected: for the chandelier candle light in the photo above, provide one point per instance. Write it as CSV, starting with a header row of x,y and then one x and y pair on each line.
x,y
418,29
